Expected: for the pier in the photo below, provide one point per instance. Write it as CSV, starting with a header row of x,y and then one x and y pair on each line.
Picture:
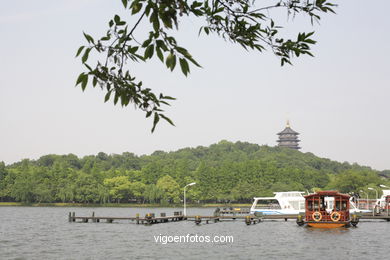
x,y
218,216
148,219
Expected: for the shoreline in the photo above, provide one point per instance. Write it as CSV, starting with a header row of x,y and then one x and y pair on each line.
x,y
122,205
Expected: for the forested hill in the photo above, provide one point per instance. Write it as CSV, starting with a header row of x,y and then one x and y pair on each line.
x,y
223,172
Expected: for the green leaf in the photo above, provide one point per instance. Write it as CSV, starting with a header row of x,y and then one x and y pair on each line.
x,y
79,51
184,66
193,61
84,82
167,119
80,78
107,96
124,2
155,121
149,52
136,8
168,97
116,97
133,50
156,23
117,19
159,54
169,60
88,37
85,56
173,63
146,43
161,44
94,81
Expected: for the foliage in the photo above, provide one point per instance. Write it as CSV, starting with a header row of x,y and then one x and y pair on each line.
x,y
223,172
243,22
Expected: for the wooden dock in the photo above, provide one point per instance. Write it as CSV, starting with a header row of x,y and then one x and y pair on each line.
x,y
149,218
218,216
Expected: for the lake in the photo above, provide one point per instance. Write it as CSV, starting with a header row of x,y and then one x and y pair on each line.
x,y
45,233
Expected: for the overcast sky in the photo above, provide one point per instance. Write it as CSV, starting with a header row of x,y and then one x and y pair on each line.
x,y
338,101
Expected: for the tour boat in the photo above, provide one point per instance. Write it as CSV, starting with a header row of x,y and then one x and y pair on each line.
x,y
327,209
283,203
288,203
382,201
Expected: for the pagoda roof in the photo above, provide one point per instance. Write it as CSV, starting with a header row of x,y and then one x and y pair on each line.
x,y
288,130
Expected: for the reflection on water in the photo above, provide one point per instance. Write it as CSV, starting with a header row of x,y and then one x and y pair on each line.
x,y
44,233
325,231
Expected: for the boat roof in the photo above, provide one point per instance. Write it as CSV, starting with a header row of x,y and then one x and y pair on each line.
x,y
385,192
329,193
283,194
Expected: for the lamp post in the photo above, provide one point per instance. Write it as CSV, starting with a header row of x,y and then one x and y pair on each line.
x,y
185,209
376,198
376,192
384,202
366,199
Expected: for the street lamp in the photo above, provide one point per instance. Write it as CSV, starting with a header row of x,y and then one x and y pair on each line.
x,y
193,183
376,192
366,199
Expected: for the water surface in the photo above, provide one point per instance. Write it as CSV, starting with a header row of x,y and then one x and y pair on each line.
x,y
45,233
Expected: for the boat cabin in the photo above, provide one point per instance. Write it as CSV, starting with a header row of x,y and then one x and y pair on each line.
x,y
387,200
327,209
290,202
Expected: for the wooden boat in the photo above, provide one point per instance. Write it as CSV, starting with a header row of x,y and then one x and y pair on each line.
x,y
327,209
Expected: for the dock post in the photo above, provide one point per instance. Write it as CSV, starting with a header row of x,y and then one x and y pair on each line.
x,y
198,220
248,220
74,216
70,217
93,217
163,215
137,217
148,218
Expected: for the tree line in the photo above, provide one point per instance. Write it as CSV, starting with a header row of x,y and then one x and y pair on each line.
x,y
223,172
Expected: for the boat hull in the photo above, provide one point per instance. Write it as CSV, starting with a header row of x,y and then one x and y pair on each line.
x,y
328,224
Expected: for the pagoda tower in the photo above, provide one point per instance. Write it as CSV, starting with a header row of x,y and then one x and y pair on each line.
x,y
289,138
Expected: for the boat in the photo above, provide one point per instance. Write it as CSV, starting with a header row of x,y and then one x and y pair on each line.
x,y
283,203
327,209
353,209
289,203
382,200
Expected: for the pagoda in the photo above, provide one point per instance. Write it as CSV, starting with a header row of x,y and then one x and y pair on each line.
x,y
289,138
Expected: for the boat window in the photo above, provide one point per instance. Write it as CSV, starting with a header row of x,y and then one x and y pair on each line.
x,y
301,205
344,205
338,205
316,205
330,204
267,204
294,205
310,205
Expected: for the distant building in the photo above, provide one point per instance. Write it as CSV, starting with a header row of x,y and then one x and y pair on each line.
x,y
289,138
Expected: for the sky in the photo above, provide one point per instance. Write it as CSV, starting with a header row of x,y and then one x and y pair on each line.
x,y
338,100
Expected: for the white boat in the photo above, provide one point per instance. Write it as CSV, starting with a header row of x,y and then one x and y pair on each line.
x,y
289,202
382,201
